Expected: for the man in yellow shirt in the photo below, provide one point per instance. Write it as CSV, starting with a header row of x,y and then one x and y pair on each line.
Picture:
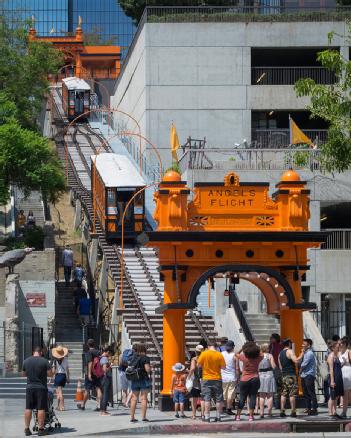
x,y
211,362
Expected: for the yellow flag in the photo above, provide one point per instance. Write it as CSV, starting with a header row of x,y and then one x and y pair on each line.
x,y
174,142
296,135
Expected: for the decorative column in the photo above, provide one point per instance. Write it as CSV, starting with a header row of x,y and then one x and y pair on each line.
x,y
171,215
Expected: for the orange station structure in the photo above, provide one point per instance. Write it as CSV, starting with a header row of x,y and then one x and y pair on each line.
x,y
237,229
96,62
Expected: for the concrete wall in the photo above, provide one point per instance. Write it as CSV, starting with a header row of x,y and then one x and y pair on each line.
x,y
36,275
198,75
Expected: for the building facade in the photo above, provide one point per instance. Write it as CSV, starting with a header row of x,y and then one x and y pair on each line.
x,y
104,21
233,84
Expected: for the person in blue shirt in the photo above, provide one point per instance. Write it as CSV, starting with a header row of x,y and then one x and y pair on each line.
x,y
78,274
308,370
84,310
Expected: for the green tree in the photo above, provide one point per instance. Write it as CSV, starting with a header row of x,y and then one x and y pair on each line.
x,y
135,8
23,71
333,104
28,160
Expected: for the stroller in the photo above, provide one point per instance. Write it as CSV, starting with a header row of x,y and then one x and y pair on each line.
x,y
51,421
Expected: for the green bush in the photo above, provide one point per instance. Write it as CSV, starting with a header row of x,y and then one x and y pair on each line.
x,y
34,238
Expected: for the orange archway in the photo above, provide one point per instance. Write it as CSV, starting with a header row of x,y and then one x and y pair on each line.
x,y
232,227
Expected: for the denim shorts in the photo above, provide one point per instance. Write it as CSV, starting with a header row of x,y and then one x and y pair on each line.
x,y
141,385
212,389
178,397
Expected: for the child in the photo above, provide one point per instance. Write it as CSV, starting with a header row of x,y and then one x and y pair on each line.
x,y
178,389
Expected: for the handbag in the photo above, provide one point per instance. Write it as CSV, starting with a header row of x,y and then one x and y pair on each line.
x,y
189,383
324,370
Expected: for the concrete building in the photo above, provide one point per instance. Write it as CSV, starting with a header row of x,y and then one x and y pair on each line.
x,y
233,81
223,81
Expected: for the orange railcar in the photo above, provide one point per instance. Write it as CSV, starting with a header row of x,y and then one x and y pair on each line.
x,y
75,97
114,181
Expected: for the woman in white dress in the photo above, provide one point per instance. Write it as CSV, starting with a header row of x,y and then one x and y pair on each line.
x,y
267,381
345,359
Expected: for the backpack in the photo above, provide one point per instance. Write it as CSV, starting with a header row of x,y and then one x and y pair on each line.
x,y
96,367
134,371
126,357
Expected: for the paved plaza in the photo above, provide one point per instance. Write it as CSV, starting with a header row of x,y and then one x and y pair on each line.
x,y
89,423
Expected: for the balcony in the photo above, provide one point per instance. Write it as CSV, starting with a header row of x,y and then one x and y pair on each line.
x,y
280,138
289,75
238,158
338,239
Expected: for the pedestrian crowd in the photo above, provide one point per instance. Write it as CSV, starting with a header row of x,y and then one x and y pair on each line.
x,y
254,376
261,377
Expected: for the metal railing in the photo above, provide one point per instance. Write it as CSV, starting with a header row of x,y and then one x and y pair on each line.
x,y
240,314
337,239
232,14
280,138
289,75
254,159
243,13
330,322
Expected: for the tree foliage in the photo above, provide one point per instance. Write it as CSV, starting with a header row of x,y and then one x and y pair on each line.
x,y
26,158
135,8
333,104
23,71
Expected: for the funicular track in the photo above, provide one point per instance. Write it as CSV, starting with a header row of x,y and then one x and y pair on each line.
x,y
82,142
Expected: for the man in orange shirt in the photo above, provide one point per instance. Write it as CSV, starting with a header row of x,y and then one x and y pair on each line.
x,y
211,362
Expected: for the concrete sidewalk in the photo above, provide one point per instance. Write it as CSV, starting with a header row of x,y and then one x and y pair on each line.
x,y
88,422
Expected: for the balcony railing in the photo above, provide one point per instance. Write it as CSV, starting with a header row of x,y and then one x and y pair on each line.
x,y
243,13
250,159
338,239
289,75
280,138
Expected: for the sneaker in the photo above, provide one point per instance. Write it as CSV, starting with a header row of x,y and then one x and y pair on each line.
x,y
207,420
177,415
97,409
145,420
82,408
251,419
313,412
343,415
237,418
42,432
133,420
183,416
293,414
217,419
27,432
229,412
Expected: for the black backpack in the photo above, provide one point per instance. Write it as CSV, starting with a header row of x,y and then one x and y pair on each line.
x,y
134,371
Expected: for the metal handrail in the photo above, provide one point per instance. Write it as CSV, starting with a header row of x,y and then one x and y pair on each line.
x,y
199,327
137,299
288,75
149,276
241,316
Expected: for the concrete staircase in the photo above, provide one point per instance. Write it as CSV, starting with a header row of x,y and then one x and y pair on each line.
x,y
34,202
15,388
68,328
262,326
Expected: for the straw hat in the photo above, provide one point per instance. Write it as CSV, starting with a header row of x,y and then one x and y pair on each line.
x,y
199,348
59,352
178,367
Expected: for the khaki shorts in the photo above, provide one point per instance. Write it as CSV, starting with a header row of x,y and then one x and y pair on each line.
x,y
228,390
289,386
